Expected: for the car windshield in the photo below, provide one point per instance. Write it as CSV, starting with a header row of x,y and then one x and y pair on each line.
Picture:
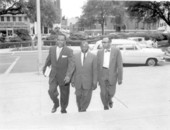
x,y
138,46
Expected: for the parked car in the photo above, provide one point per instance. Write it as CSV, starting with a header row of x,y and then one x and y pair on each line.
x,y
144,43
133,53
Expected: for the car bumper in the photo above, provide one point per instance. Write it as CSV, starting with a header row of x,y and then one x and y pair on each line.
x,y
161,60
167,57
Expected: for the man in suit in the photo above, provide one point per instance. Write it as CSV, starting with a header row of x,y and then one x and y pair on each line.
x,y
110,71
61,60
84,77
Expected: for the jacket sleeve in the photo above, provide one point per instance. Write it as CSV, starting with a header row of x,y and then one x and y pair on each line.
x,y
71,64
119,66
48,61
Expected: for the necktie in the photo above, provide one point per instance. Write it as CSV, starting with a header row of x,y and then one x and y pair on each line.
x,y
84,58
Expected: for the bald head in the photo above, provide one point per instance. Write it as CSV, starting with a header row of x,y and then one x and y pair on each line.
x,y
84,46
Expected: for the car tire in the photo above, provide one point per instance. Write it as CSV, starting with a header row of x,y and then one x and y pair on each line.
x,y
151,62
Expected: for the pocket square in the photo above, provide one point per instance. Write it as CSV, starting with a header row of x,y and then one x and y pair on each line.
x,y
64,56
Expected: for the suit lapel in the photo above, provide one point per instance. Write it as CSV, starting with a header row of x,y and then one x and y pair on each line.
x,y
79,59
102,56
111,56
55,54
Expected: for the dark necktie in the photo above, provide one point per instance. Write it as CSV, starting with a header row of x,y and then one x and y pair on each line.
x,y
84,58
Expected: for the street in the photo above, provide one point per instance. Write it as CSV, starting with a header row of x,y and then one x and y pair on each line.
x,y
141,102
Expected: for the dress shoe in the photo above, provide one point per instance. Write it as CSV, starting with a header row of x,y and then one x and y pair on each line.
x,y
111,104
106,108
63,111
54,109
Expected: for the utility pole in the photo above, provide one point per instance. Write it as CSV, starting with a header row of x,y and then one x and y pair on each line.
x,y
39,37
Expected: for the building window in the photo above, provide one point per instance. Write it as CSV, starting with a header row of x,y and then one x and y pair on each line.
x,y
2,18
8,18
25,18
20,18
45,30
9,32
14,19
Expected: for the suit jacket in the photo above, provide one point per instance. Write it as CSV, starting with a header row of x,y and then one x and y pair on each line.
x,y
62,67
86,75
115,66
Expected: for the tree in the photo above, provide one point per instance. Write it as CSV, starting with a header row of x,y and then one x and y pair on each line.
x,y
119,12
49,13
11,7
149,11
97,11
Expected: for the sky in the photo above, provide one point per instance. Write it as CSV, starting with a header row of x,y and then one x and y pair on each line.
x,y
71,8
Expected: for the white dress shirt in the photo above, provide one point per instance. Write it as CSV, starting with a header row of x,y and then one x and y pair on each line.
x,y
106,59
82,57
58,50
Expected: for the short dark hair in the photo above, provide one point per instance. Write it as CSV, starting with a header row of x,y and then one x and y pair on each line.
x,y
62,35
109,38
83,42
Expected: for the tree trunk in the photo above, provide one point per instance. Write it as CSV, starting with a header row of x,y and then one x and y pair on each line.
x,y
102,25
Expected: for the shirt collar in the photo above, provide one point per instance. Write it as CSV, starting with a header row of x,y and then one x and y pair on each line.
x,y
107,50
58,48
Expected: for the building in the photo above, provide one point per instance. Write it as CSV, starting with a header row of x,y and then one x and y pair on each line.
x,y
163,27
127,25
9,23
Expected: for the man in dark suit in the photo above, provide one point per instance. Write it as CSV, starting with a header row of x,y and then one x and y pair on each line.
x,y
61,60
84,77
110,71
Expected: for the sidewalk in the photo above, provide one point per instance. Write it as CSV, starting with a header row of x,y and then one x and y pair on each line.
x,y
25,104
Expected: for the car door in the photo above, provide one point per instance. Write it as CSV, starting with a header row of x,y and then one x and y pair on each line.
x,y
132,55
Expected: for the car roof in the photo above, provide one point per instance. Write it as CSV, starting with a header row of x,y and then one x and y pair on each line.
x,y
135,37
119,41
123,41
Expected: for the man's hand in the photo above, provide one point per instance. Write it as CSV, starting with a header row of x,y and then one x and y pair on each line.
x,y
43,71
72,84
119,82
94,86
66,80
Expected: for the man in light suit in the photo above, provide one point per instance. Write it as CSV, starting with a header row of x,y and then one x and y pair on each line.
x,y
84,77
61,60
110,71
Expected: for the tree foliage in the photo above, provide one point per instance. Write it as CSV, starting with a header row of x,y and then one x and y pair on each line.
x,y
49,13
149,11
11,7
96,11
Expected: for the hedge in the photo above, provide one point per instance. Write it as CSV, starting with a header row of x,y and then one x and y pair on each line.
x,y
15,44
